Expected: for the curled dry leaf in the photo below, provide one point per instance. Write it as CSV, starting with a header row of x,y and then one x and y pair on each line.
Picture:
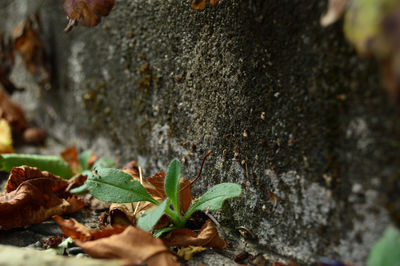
x,y
78,231
12,113
6,141
207,237
133,244
28,44
86,12
122,213
33,197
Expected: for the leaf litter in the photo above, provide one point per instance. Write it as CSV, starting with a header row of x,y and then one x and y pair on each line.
x,y
32,196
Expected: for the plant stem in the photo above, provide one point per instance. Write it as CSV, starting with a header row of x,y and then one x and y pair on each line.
x,y
177,219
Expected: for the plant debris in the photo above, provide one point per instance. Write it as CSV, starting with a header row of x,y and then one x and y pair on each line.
x,y
86,12
32,196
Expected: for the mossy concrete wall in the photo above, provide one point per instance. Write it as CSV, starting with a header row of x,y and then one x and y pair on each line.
x,y
287,107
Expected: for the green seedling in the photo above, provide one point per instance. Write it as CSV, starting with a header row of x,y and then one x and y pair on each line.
x,y
113,185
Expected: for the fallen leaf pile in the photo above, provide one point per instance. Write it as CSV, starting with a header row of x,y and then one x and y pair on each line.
x,y
32,196
132,244
123,240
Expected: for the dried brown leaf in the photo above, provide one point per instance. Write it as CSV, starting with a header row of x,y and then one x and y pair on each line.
x,y
34,201
213,2
199,5
207,237
70,155
78,231
122,213
18,175
12,113
86,12
134,245
28,44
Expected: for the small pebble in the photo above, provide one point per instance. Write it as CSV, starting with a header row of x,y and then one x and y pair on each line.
x,y
75,250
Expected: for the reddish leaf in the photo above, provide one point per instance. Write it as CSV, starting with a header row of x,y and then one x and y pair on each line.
x,y
157,190
18,175
86,12
207,237
76,181
133,244
70,155
78,231
155,186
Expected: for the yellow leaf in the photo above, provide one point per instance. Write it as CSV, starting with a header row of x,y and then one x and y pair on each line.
x,y
187,252
6,141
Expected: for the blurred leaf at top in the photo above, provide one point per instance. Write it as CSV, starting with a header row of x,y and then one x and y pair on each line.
x,y
373,27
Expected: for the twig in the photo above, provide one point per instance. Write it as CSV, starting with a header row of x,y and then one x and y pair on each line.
x,y
141,182
201,168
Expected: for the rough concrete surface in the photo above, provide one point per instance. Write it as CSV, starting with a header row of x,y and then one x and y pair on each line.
x,y
287,106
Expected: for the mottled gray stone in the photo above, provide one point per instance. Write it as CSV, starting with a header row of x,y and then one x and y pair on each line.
x,y
286,105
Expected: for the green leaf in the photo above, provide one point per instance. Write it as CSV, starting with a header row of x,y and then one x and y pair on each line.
x,y
171,183
214,198
103,163
84,159
113,185
161,231
387,250
80,190
149,220
53,164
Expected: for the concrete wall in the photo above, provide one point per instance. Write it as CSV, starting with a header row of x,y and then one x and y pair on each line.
x,y
286,105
